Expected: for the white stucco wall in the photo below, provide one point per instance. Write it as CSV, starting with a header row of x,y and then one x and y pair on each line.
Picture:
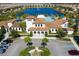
x,y
39,31
65,25
17,28
54,30
70,32
29,24
43,25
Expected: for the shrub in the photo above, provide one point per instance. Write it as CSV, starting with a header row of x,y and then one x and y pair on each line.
x,y
31,34
67,39
25,52
45,51
14,34
61,33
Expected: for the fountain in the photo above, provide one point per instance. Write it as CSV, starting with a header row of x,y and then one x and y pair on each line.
x,y
35,52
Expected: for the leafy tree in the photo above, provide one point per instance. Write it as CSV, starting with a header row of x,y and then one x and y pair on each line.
x,y
31,34
71,22
49,31
1,35
3,29
23,25
14,33
44,42
75,27
28,41
61,33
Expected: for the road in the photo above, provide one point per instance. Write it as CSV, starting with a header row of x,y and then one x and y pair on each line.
x,y
56,47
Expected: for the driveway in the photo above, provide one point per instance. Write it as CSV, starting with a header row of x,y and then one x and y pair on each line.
x,y
57,47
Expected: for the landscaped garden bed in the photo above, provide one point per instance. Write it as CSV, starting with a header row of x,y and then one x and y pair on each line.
x,y
45,51
25,52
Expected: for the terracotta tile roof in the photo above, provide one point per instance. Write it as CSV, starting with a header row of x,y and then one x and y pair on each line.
x,y
58,22
16,24
30,17
5,23
39,21
38,28
49,24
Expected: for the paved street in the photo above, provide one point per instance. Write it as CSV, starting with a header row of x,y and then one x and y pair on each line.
x,y
57,48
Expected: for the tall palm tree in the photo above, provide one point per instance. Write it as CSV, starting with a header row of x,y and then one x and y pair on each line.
x,y
28,41
44,42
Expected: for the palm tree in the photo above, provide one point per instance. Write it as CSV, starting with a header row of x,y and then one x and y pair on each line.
x,y
44,42
28,41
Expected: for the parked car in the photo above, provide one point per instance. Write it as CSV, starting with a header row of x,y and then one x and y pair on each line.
x,y
73,52
2,49
8,41
5,44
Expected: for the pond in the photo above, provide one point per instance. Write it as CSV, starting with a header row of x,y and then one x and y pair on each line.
x,y
37,11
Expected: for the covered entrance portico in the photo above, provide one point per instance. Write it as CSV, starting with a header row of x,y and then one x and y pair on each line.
x,y
39,34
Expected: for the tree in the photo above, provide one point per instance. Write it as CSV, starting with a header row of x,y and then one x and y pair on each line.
x,y
61,33
31,34
44,42
14,33
28,41
3,29
71,22
23,25
1,35
75,27
49,31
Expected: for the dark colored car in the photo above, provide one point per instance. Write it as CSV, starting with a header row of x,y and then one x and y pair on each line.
x,y
2,49
76,38
73,52
8,41
5,44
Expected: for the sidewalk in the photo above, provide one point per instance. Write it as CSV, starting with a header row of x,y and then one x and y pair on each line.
x,y
75,44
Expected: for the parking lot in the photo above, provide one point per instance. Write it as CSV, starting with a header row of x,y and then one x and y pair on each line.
x,y
57,47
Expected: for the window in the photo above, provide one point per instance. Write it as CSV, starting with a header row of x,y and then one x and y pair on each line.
x,y
16,28
19,28
33,19
56,29
52,29
45,31
42,32
41,25
36,25
38,32
34,31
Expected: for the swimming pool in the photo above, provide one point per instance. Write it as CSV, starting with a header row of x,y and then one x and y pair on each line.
x,y
37,11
